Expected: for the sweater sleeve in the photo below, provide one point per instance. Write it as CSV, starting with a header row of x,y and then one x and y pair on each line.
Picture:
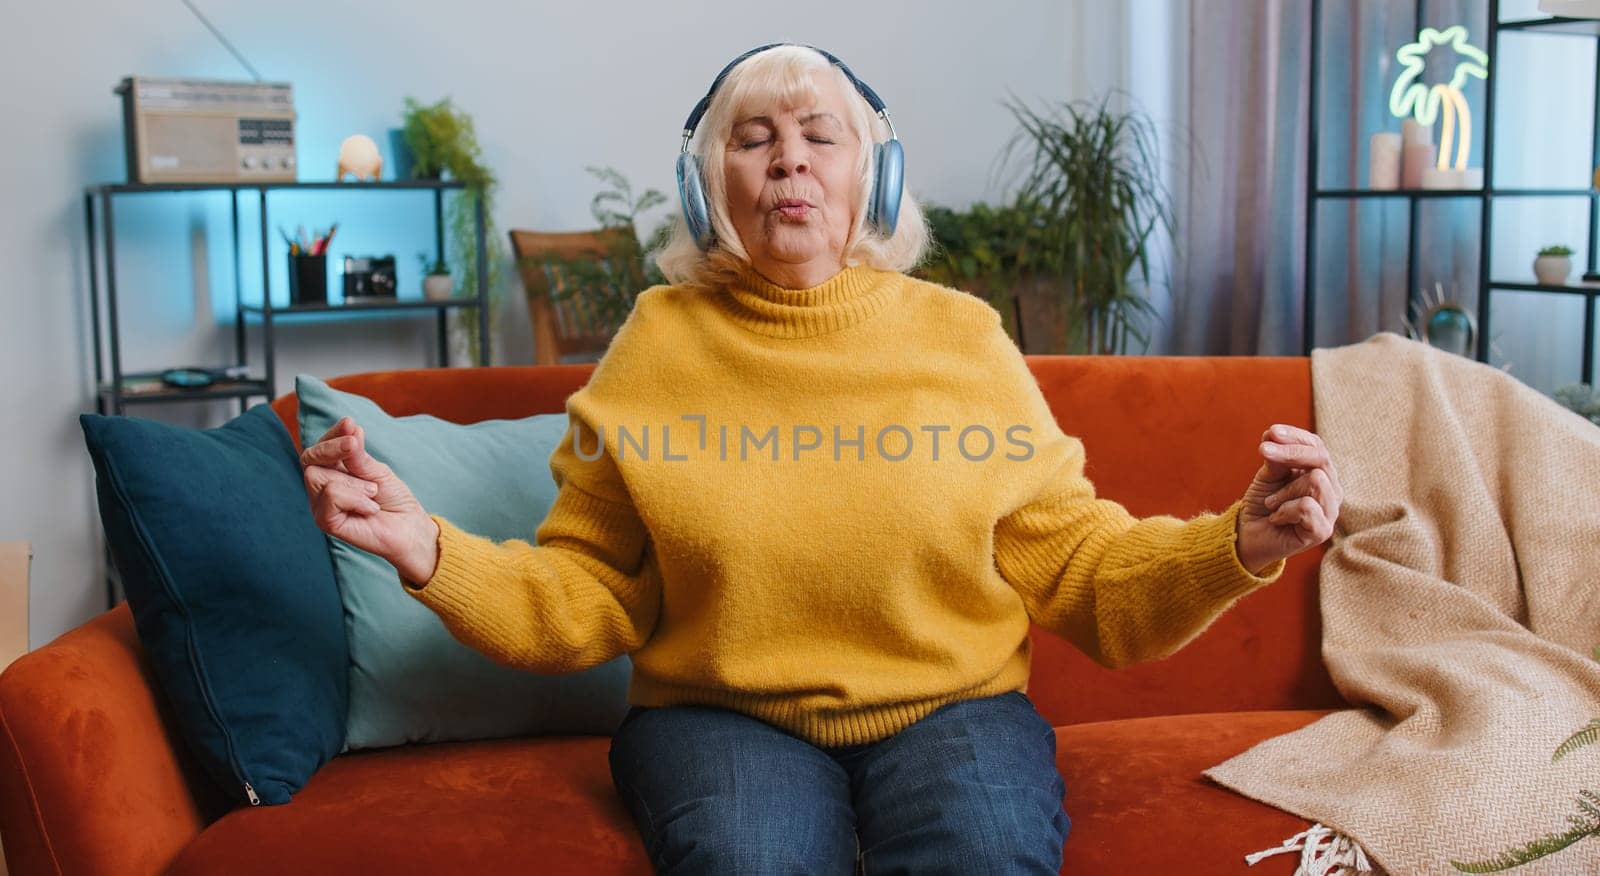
x,y
582,593
586,589
1124,590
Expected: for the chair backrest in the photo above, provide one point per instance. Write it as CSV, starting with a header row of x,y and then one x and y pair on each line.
x,y
567,325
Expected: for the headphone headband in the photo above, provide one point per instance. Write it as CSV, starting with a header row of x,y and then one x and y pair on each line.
x,y
865,90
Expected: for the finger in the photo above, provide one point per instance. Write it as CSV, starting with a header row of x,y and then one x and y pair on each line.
x,y
361,463
1314,483
329,452
1287,434
322,476
342,427
340,496
1293,455
1306,516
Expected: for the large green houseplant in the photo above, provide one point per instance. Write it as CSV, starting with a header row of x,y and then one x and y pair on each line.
x,y
1089,202
609,285
444,144
983,250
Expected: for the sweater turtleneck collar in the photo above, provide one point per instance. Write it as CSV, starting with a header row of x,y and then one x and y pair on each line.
x,y
849,297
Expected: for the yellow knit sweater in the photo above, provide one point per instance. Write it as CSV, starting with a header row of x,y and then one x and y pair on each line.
x,y
834,509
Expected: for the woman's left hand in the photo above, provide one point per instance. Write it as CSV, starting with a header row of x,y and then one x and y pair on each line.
x,y
1293,502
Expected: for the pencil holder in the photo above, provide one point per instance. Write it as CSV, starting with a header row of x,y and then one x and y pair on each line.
x,y
308,279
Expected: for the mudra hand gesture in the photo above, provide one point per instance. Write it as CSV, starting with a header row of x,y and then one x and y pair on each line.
x,y
360,500
1293,502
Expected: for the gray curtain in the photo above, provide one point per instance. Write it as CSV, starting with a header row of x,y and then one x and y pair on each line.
x,y
1240,198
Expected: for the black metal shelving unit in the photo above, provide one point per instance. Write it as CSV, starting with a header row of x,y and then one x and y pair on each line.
x,y
110,395
1486,196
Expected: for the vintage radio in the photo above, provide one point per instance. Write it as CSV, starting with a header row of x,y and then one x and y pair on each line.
x,y
207,130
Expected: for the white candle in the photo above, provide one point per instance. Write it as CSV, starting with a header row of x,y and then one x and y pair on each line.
x,y
1383,161
1451,178
1412,132
1419,158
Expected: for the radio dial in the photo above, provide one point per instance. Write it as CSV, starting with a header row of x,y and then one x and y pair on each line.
x,y
249,163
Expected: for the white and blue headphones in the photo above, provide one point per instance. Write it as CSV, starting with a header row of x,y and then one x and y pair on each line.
x,y
888,161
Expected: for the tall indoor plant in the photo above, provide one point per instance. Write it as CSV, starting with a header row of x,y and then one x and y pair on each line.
x,y
1092,196
609,285
983,250
444,144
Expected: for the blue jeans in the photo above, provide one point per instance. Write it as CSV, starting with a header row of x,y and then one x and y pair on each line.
x,y
970,788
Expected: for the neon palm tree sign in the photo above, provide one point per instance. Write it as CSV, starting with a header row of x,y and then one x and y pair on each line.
x,y
1410,97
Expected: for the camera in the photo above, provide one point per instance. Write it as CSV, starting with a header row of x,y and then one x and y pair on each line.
x,y
369,277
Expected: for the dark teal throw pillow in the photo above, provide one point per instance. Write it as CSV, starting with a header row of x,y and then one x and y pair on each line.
x,y
232,591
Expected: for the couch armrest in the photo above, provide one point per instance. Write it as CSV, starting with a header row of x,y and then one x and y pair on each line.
x,y
91,778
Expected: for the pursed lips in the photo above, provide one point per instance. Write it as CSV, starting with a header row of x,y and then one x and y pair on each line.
x,y
793,208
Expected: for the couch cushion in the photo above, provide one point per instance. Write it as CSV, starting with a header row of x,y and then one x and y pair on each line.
x,y
1140,805
530,805
1134,791
410,680
232,591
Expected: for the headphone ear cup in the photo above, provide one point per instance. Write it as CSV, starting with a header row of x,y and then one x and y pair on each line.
x,y
692,196
888,181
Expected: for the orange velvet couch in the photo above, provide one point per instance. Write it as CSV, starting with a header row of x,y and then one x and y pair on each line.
x,y
93,780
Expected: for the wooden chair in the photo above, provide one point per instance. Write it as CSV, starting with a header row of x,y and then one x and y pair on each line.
x,y
566,326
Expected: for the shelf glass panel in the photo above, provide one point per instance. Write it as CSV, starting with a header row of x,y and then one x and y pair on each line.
x,y
1357,46
1522,227
1540,335
362,307
1573,287
1556,25
1457,193
1544,108
1362,274
1400,193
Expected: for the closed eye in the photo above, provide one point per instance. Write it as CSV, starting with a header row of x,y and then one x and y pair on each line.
x,y
754,143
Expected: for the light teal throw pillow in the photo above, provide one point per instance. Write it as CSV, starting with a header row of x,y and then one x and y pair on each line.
x,y
410,680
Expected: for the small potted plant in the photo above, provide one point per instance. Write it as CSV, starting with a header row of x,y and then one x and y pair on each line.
x,y
443,143
1553,265
437,284
1581,400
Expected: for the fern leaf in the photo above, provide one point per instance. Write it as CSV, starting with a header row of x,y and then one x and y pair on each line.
x,y
1588,735
1539,848
1587,804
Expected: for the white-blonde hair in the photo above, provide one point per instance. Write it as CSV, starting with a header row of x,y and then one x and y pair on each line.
x,y
784,74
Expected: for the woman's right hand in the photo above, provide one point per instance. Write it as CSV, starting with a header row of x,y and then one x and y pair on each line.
x,y
359,500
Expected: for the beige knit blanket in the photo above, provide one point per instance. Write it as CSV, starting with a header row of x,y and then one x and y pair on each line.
x,y
1461,608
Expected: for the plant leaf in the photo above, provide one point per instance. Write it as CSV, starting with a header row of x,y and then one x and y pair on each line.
x,y
1589,734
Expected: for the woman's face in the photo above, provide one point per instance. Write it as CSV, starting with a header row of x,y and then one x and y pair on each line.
x,y
792,185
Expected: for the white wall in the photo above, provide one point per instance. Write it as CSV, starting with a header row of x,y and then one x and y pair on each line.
x,y
553,87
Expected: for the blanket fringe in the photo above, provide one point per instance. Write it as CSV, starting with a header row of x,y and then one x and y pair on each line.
x,y
1317,859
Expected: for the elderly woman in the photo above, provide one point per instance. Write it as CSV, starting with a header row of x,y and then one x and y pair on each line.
x,y
825,563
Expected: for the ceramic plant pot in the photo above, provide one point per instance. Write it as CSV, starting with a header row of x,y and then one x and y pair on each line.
x,y
437,287
1552,270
